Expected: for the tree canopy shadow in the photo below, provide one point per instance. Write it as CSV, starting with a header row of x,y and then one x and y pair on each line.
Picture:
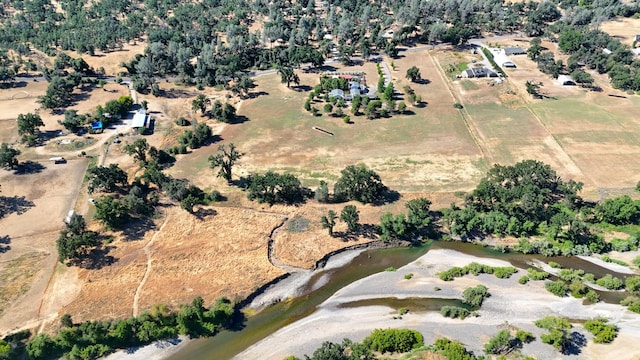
x,y
388,197
202,213
136,228
575,344
4,244
96,259
256,94
14,204
301,88
368,231
29,167
238,119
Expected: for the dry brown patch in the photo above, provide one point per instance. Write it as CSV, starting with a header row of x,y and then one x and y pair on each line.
x,y
623,29
16,277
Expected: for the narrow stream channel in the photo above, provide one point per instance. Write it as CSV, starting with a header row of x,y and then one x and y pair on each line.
x,y
227,344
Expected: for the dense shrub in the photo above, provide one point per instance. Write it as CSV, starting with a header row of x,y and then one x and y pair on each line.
x,y
393,340
537,275
557,288
602,332
454,312
475,296
609,282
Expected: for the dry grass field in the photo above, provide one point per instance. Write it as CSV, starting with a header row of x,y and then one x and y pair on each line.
x,y
623,29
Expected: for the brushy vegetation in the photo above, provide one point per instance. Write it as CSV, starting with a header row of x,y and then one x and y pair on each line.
x,y
557,288
559,332
475,296
603,333
537,275
393,340
454,312
476,269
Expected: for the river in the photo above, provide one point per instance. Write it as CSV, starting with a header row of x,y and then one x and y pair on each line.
x,y
227,344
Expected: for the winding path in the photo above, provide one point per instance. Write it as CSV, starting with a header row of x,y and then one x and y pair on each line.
x,y
272,259
147,252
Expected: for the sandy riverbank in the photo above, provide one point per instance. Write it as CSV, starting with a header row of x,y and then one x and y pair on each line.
x,y
519,305
157,351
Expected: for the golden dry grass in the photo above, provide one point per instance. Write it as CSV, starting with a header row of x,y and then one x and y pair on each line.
x,y
17,275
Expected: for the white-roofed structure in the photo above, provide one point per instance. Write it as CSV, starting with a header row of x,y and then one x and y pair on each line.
x,y
140,119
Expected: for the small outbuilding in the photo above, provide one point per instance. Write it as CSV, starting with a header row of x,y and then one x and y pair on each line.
x,y
140,119
514,51
509,64
57,160
565,80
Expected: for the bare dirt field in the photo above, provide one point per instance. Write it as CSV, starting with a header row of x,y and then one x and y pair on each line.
x,y
35,205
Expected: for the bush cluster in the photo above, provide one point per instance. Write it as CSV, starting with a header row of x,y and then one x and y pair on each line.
x,y
393,340
476,269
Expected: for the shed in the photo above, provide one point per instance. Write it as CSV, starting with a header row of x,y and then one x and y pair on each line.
x,y
635,51
565,80
636,38
70,214
607,51
140,119
509,64
514,51
57,160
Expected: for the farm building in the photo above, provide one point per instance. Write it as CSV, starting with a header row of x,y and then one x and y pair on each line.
x,y
565,80
514,51
478,72
140,119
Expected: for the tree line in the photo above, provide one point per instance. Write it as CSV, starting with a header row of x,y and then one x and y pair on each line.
x,y
94,339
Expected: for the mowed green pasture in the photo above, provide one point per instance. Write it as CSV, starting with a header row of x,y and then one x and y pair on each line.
x,y
428,150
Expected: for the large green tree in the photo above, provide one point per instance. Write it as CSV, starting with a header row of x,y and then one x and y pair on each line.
x,y
273,188
225,159
413,74
112,212
28,125
138,149
75,240
288,75
8,156
359,183
108,179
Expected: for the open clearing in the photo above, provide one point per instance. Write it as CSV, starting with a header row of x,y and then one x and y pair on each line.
x,y
623,29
